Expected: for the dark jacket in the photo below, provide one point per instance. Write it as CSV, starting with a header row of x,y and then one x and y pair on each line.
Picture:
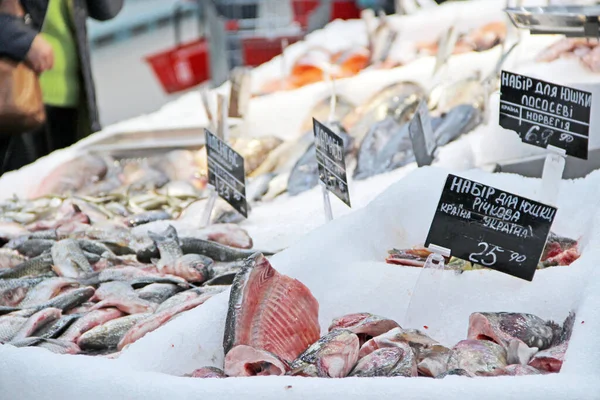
x,y
17,34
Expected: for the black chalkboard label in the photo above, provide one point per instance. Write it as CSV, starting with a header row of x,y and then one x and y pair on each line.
x,y
421,135
226,173
490,227
543,113
331,161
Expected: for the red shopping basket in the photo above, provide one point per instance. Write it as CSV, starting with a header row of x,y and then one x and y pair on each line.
x,y
182,67
185,65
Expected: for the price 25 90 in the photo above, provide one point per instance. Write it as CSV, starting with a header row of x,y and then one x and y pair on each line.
x,y
488,256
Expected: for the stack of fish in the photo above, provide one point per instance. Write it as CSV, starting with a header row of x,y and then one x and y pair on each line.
x,y
559,251
272,329
80,278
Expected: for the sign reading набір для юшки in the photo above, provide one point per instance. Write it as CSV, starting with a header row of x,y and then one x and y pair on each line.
x,y
544,113
491,227
226,173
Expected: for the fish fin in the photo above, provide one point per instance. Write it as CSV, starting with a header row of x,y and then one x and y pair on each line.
x,y
154,261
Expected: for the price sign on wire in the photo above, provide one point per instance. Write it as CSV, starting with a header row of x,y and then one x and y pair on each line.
x,y
490,227
543,113
226,173
331,162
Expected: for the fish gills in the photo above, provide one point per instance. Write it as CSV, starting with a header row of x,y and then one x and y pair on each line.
x,y
270,311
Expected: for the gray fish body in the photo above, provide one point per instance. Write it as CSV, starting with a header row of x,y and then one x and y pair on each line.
x,y
69,259
69,300
396,153
108,335
35,247
158,292
146,217
9,326
13,291
459,120
54,330
216,251
167,243
177,299
93,247
54,345
39,265
375,140
259,186
45,290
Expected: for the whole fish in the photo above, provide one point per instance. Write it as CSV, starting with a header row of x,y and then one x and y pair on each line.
x,y
158,292
54,330
69,259
88,321
459,120
68,300
108,335
391,361
321,111
132,275
158,319
38,321
226,234
247,361
71,176
502,327
120,295
178,299
94,247
260,298
146,217
34,247
332,356
13,291
215,251
477,357
46,290
53,345
283,158
39,265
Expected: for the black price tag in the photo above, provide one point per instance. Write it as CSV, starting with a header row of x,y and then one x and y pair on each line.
x,y
331,161
489,227
543,113
226,172
421,135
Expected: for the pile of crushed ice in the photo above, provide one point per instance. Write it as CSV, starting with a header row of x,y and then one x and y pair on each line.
x,y
342,264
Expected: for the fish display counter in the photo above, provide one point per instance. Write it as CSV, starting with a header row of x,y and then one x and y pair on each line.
x,y
126,265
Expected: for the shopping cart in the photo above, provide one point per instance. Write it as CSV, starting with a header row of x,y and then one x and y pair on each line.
x,y
252,31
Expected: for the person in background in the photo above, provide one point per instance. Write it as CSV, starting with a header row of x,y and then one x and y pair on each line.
x,y
52,40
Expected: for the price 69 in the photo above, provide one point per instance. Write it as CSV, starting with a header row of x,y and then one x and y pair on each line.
x,y
489,255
